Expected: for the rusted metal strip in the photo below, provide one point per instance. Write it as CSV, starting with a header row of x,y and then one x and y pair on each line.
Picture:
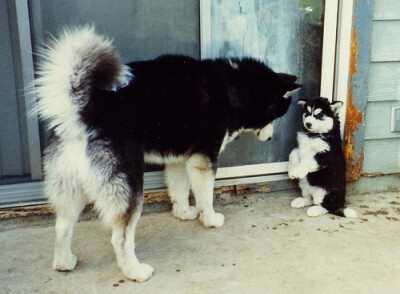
x,y
354,118
358,88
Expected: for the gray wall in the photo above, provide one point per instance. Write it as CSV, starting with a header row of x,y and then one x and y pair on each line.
x,y
381,150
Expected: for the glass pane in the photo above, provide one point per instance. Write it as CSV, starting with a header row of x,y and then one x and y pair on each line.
x,y
287,35
140,29
14,154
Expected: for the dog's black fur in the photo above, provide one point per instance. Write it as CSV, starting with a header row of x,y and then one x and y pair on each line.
x,y
178,105
109,119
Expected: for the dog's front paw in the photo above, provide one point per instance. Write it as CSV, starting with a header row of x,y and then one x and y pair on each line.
x,y
212,220
316,210
64,263
185,213
292,172
297,173
139,273
291,175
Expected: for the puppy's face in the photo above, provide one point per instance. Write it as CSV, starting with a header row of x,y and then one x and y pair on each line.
x,y
319,114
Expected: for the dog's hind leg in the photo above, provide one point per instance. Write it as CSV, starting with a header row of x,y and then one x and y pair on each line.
x,y
123,241
120,209
177,180
68,204
117,193
119,202
201,173
306,199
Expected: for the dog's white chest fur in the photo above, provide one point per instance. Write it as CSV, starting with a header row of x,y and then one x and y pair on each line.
x,y
302,159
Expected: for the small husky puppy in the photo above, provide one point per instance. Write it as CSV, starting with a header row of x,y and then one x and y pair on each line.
x,y
318,162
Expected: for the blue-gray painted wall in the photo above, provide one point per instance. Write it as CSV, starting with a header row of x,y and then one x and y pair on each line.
x,y
381,147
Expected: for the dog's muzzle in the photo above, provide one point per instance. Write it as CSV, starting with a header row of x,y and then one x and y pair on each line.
x,y
265,133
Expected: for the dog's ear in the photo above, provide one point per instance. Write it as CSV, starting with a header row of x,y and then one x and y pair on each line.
x,y
289,93
302,102
289,84
287,77
336,106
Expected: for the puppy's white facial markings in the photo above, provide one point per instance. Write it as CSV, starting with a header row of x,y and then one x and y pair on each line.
x,y
315,121
265,133
317,111
323,125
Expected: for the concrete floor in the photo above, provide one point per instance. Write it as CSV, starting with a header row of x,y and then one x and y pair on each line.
x,y
264,247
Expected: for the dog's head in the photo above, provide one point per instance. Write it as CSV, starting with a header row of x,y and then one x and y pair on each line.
x,y
319,115
267,96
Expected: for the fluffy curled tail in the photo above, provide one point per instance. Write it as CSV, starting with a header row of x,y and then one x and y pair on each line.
x,y
345,212
71,66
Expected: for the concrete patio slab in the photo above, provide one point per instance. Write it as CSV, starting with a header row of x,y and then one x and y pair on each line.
x,y
265,246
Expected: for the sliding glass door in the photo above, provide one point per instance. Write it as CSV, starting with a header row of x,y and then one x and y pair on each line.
x,y
294,36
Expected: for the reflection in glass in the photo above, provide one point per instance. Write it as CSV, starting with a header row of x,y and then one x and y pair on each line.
x,y
287,35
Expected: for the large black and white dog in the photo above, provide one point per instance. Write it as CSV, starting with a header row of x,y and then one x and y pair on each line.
x,y
318,162
109,118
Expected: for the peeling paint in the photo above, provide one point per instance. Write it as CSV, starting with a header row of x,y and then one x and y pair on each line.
x,y
354,117
358,88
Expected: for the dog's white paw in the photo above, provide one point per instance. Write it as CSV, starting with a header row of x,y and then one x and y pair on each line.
x,y
316,210
214,220
297,173
291,174
139,273
300,202
185,213
65,263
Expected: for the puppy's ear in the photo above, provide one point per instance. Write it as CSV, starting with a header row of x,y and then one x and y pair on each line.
x,y
336,106
301,102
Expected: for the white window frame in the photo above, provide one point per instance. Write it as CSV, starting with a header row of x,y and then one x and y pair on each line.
x,y
334,84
